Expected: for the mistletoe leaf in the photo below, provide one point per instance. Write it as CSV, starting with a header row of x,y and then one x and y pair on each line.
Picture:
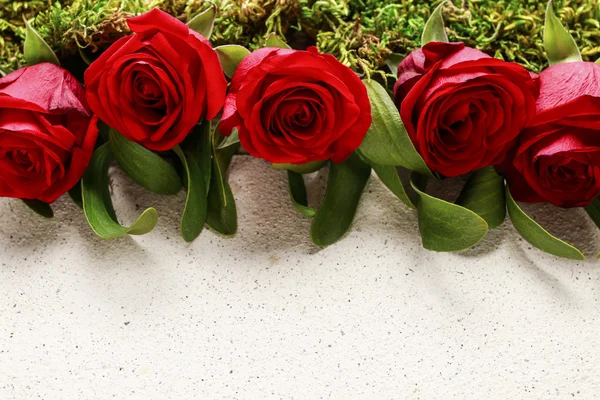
x,y
445,226
273,40
484,194
97,205
298,194
204,22
145,167
387,142
389,177
536,235
345,186
231,55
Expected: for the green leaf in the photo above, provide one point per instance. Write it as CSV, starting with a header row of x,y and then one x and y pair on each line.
x,y
222,212
145,167
230,140
307,168
386,142
298,193
40,208
445,226
35,49
434,30
598,61
593,210
536,235
273,40
388,174
231,55
3,73
199,144
560,45
204,22
484,194
194,213
75,195
345,186
393,61
97,205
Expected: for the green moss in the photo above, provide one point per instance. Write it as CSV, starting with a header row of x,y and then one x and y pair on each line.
x,y
360,33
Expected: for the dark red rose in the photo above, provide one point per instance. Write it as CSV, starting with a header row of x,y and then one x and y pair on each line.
x,y
155,85
557,159
462,108
293,106
47,133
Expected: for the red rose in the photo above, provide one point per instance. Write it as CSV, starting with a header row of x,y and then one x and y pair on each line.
x,y
154,86
557,158
293,106
462,108
47,133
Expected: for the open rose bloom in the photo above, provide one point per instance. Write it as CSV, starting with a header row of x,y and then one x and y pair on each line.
x,y
293,106
155,86
47,133
557,158
462,108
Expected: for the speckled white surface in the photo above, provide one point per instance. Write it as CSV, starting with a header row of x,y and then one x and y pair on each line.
x,y
266,315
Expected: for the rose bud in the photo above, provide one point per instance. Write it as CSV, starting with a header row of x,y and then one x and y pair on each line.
x,y
154,86
293,106
462,108
557,159
47,133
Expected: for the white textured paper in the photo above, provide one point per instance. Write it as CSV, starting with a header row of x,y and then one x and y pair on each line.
x,y
267,315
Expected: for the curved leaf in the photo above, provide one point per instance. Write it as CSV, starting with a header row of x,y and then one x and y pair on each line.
x,y
434,30
273,40
194,213
40,208
204,22
199,144
560,45
298,193
35,49
97,205
393,61
145,167
445,226
230,140
345,186
386,142
231,55
389,177
307,168
484,194
536,235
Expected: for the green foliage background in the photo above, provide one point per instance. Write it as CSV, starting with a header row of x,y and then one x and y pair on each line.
x,y
360,33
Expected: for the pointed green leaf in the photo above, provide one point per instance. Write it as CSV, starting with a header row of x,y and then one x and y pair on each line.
x,y
40,208
560,45
204,22
75,195
97,205
298,193
35,49
389,177
445,226
199,144
273,40
145,167
536,235
345,186
434,30
393,61
222,212
484,194
307,168
386,142
230,140
598,61
231,55
194,213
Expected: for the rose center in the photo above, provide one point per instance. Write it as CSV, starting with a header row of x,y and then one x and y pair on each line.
x,y
23,159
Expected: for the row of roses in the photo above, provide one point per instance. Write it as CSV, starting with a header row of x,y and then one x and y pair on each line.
x,y
455,111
